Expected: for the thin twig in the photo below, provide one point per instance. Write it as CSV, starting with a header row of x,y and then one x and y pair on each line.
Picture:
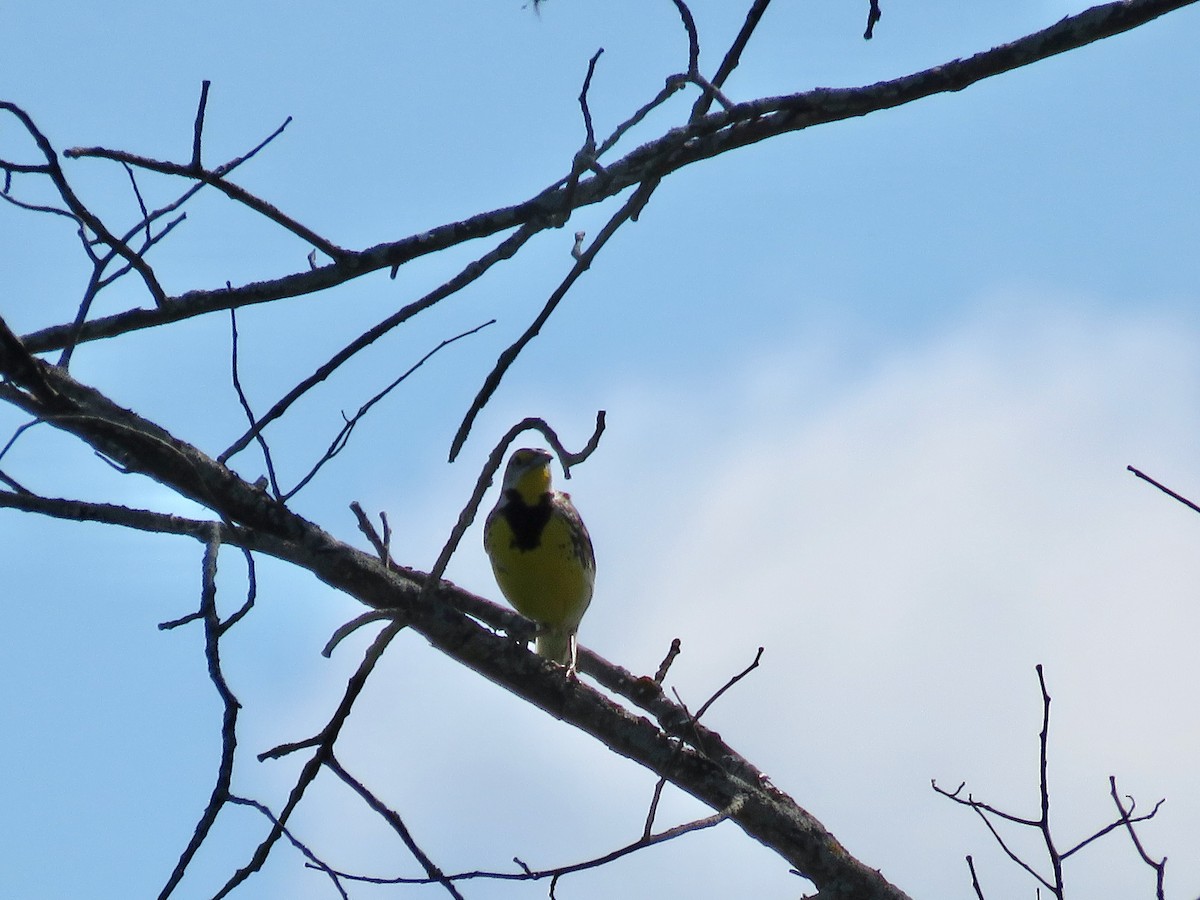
x,y
230,706
665,665
652,812
1159,866
216,178
472,271
98,281
873,16
154,239
365,526
432,871
137,193
1056,891
245,402
1125,818
970,801
590,140
530,874
198,128
1166,490
327,735
339,442
313,861
730,683
974,878
323,742
673,85
251,592
733,55
347,629
1044,786
33,207
585,157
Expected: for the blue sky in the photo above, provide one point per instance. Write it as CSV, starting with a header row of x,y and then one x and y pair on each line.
x,y
871,391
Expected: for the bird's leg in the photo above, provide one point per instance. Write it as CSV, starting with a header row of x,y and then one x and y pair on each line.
x,y
572,658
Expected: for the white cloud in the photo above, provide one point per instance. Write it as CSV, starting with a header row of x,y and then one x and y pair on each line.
x,y
906,543
908,546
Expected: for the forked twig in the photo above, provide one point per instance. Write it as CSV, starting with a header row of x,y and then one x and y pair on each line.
x,y
693,73
693,719
323,742
193,169
434,874
338,444
313,861
1159,866
1055,883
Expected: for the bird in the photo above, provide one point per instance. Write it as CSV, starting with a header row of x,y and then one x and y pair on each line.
x,y
541,554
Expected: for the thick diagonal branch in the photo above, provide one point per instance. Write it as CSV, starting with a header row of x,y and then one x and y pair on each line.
x,y
762,811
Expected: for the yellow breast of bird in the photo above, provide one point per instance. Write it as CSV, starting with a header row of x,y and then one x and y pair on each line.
x,y
550,580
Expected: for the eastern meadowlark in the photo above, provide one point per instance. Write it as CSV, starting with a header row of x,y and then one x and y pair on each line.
x,y
541,554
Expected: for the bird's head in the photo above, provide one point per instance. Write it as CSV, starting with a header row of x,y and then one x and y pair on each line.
x,y
528,473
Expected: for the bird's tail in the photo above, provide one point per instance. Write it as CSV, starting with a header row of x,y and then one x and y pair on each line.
x,y
555,644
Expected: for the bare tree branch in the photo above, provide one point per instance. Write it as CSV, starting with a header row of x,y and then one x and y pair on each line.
x,y
721,780
216,178
744,124
730,683
671,741
475,269
1042,823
